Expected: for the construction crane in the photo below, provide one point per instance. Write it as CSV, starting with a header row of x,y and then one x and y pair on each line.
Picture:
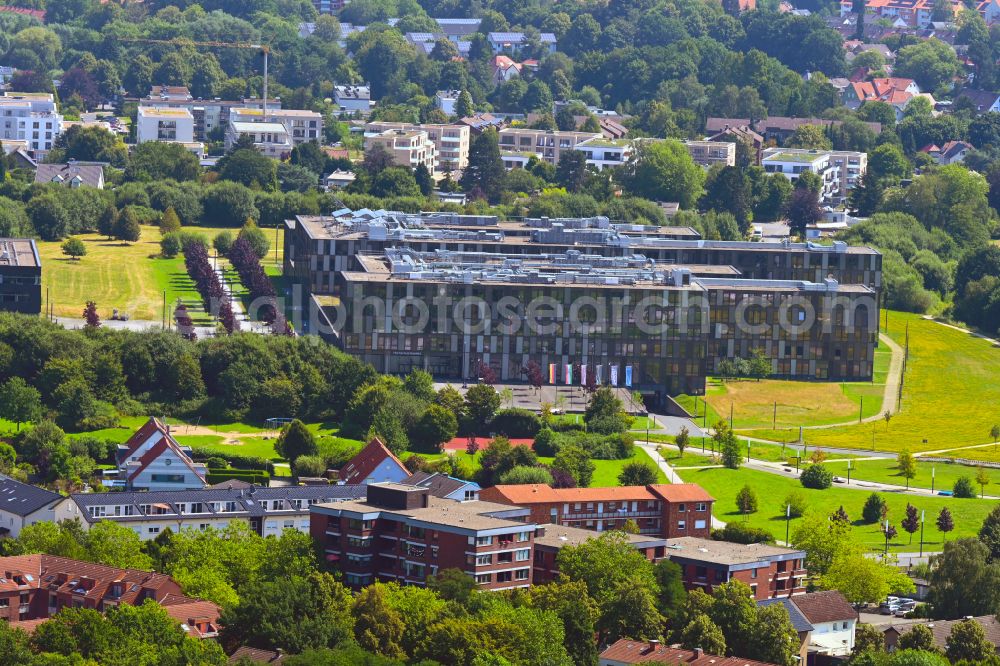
x,y
266,49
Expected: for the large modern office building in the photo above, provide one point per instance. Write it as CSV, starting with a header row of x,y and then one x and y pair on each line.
x,y
653,309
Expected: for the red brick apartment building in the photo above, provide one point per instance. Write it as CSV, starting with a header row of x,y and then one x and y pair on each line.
x,y
770,571
667,511
403,533
33,588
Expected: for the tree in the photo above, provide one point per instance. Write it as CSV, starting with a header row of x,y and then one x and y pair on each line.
x,y
919,637
963,580
701,633
802,210
74,247
816,476
944,522
48,217
911,522
637,473
809,137
90,144
255,237
424,181
575,461
481,403
875,507
967,640
931,63
169,222
249,167
571,602
19,401
746,500
963,488
681,441
90,315
989,534
463,106
907,465
116,545
795,503
868,638
154,161
295,613
664,171
436,426
863,579
983,479
295,440
127,227
727,445
378,627
571,171
484,174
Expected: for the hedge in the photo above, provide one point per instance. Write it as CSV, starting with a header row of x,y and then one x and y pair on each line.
x,y
250,476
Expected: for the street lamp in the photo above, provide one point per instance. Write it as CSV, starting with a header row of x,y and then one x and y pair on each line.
x,y
885,529
848,472
788,520
932,480
922,533
797,459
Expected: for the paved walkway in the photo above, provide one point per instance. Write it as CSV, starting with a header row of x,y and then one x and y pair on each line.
x,y
130,325
672,477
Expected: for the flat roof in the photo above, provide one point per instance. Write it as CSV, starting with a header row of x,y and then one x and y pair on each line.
x,y
794,157
473,515
276,112
154,111
559,536
19,252
257,127
726,552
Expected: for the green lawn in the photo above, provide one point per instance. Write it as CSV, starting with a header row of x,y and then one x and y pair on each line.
x,y
256,447
789,403
132,278
885,471
772,490
950,391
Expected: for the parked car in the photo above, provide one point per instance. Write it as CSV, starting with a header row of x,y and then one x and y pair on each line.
x,y
944,493
905,606
889,606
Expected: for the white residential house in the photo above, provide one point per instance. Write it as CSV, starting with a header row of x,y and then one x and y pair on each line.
x,y
409,147
31,117
839,170
601,152
300,125
268,511
152,459
511,43
269,138
446,100
22,504
174,125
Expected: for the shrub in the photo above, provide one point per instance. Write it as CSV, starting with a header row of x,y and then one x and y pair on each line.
x,y
523,474
516,423
614,423
738,532
216,462
170,244
964,488
874,508
546,443
797,503
637,474
817,477
309,466
746,500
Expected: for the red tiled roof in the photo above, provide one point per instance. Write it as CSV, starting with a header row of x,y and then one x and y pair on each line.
x,y
826,606
627,651
460,443
142,434
35,13
201,617
535,493
152,426
254,654
367,461
681,492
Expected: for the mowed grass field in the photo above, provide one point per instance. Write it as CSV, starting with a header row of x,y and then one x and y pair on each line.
x,y
771,489
789,404
885,470
951,395
132,278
